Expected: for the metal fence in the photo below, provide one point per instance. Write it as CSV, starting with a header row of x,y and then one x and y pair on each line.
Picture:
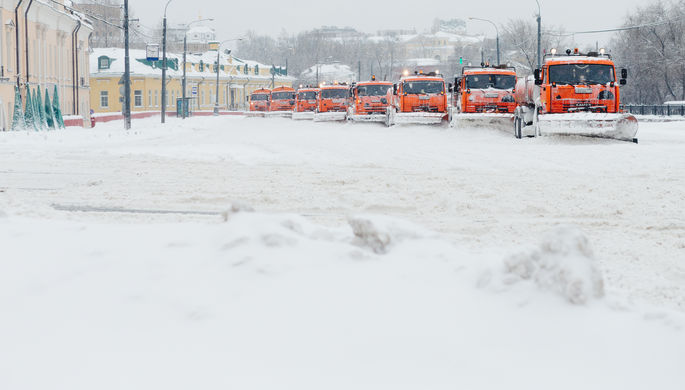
x,y
660,110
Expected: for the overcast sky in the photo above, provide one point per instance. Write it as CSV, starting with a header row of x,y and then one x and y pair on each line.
x,y
233,18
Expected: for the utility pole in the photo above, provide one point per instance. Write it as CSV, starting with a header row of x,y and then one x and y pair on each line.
x,y
216,99
496,30
164,65
539,36
127,72
185,50
218,66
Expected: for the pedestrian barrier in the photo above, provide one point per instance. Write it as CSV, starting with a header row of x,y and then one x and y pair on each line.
x,y
658,110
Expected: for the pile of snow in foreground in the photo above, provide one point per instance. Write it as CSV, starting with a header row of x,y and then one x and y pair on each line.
x,y
266,301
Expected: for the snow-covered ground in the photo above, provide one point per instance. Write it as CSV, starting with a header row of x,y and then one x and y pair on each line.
x,y
376,258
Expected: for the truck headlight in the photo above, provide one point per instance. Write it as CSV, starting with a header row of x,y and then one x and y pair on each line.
x,y
606,95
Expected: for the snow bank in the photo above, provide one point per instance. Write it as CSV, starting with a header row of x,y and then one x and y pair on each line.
x,y
266,301
562,263
381,233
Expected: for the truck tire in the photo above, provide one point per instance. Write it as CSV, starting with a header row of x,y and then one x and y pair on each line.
x,y
518,127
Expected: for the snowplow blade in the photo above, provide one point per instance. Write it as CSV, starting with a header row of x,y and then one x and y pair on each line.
x,y
420,118
614,126
301,116
279,114
380,118
503,122
330,116
255,114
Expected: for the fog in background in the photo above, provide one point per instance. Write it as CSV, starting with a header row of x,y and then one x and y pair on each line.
x,y
272,17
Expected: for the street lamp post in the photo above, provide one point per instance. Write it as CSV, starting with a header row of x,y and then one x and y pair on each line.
x,y
185,51
539,35
218,59
164,65
497,30
127,71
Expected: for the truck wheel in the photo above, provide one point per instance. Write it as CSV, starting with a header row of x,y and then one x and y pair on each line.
x,y
518,127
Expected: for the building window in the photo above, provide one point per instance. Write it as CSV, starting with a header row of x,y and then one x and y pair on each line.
x,y
103,63
104,99
149,98
138,98
156,98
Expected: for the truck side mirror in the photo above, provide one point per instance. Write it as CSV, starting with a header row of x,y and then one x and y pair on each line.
x,y
450,86
394,89
536,74
624,73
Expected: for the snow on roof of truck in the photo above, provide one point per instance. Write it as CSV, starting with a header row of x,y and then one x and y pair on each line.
x,y
576,59
488,70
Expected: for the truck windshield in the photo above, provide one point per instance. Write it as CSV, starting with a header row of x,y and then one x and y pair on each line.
x,y
282,95
373,90
311,95
584,74
485,81
423,87
334,93
261,96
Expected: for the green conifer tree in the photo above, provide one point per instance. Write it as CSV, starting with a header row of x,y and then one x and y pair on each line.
x,y
49,112
30,111
41,109
18,119
59,120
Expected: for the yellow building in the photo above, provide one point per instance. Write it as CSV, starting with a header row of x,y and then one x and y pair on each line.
x,y
44,43
237,79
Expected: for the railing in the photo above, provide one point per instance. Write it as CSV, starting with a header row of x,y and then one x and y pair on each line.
x,y
659,110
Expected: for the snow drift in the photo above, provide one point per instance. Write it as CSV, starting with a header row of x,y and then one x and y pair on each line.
x,y
562,263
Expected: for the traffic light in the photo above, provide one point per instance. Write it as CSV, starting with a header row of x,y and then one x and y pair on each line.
x,y
461,61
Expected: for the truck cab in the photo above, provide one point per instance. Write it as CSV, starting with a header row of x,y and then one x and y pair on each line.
x,y
421,93
333,98
282,99
306,99
371,97
485,90
579,83
260,99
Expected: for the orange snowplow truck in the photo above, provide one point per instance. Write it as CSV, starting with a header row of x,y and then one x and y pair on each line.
x,y
332,103
259,100
370,100
282,99
421,98
484,97
306,99
485,89
574,94
305,103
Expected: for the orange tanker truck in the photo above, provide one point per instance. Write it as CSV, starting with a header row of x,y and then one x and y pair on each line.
x,y
259,102
484,96
370,100
420,98
332,103
305,103
573,94
282,101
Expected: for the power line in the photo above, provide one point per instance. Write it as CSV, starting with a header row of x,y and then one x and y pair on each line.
x,y
660,23
87,14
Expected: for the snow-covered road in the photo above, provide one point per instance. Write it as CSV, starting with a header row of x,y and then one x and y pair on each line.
x,y
484,188
110,204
